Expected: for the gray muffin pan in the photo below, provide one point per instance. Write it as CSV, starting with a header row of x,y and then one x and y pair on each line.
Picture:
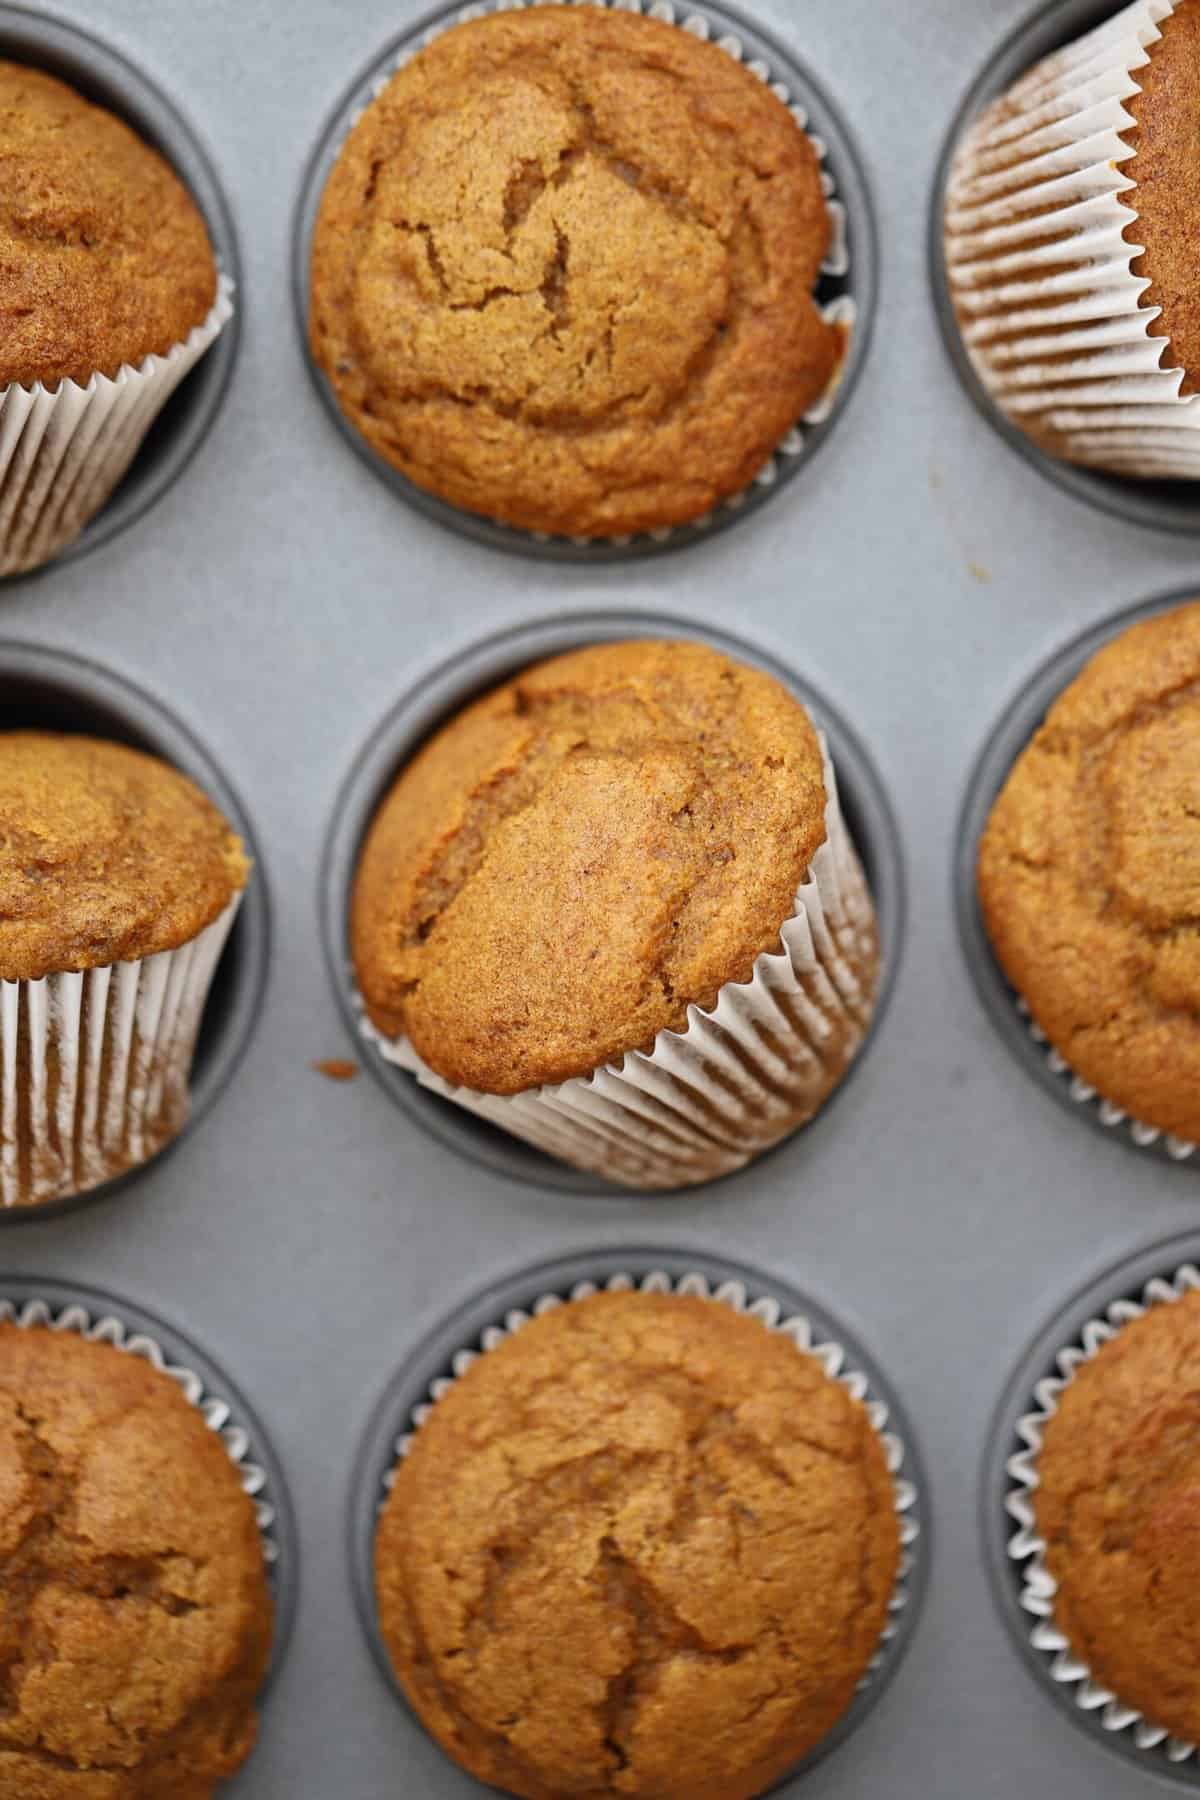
x,y
284,624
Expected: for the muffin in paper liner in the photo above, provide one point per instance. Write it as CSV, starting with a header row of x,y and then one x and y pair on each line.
x,y
64,450
741,1076
94,1066
841,311
732,1293
1040,268
1025,1547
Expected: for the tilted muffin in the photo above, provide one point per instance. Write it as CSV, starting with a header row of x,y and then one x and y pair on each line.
x,y
563,272
1089,873
1118,1476
576,864
104,263
644,1547
119,881
135,1615
1071,244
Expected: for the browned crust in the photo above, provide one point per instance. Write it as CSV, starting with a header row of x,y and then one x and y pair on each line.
x,y
562,272
104,257
579,856
1166,169
645,1547
106,855
135,1616
1089,873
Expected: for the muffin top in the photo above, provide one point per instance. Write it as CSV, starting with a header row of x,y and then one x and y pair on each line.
x,y
580,855
644,1547
104,257
106,855
1167,199
1119,1482
1089,873
135,1616
562,272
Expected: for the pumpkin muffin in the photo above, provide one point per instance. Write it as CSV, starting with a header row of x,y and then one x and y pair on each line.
x,y
1089,873
135,1616
589,854
644,1547
1071,243
118,884
1118,1475
563,272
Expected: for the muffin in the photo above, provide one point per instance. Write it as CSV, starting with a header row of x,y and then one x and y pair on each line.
x,y
644,1547
613,908
563,271
135,1616
1089,871
1070,241
109,294
1115,1503
119,882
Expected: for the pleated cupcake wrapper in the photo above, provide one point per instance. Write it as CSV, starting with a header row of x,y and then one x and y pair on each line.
x,y
1040,271
218,1414
841,311
769,1313
63,452
1038,1586
1109,1114
738,1078
94,1066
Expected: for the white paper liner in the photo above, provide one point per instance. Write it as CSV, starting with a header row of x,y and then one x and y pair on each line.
x,y
769,1313
738,1078
1038,1586
62,452
94,1066
841,311
1040,273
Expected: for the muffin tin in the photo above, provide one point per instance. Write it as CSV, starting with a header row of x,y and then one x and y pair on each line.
x,y
307,623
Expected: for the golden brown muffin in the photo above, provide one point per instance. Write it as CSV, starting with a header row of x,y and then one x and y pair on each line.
x,y
135,1616
1166,172
645,1547
581,855
562,272
1089,873
106,855
1117,1503
104,258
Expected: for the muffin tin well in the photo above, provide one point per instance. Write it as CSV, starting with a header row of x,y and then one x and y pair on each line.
x,y
104,76
1166,505
50,690
1009,737
757,48
436,1358
443,690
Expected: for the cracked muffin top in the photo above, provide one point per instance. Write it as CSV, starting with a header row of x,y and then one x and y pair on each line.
x,y
579,856
1089,873
104,257
644,1547
1119,1479
562,272
106,855
1166,111
135,1616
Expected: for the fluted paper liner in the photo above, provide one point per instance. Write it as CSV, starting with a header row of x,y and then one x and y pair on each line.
x,y
63,451
94,1066
1040,269
738,1078
1038,1586
842,311
217,1413
769,1313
